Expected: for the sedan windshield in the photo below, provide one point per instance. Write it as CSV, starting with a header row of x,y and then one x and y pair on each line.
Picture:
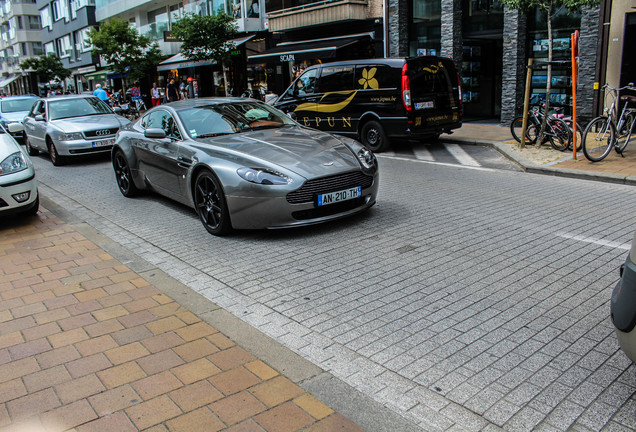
x,y
16,105
77,107
228,118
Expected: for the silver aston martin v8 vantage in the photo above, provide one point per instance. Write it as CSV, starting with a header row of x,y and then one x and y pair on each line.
x,y
242,164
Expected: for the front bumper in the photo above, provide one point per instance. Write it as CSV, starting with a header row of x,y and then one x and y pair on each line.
x,y
623,310
79,147
18,183
276,212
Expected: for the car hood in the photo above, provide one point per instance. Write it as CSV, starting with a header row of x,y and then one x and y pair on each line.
x,y
79,124
308,152
17,116
8,146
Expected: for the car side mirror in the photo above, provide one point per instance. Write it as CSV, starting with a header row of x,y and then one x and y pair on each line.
x,y
156,133
39,117
16,127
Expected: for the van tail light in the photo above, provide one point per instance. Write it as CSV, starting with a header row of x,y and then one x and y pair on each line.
x,y
406,89
459,89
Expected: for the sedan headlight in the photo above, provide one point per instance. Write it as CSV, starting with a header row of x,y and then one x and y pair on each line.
x,y
71,136
366,158
13,163
263,176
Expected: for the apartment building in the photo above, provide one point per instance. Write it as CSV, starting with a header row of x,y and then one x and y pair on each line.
x,y
65,26
19,39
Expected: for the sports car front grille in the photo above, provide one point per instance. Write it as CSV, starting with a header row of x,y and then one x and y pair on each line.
x,y
311,188
329,210
100,133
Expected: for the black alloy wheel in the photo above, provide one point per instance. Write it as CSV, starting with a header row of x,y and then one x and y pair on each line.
x,y
55,157
373,137
32,151
210,204
122,175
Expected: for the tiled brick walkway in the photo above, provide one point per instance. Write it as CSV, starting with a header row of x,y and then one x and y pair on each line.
x,y
88,345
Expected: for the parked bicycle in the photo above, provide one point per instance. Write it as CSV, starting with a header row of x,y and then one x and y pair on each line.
x,y
606,132
557,131
136,107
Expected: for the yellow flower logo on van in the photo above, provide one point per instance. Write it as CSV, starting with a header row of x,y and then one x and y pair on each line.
x,y
367,79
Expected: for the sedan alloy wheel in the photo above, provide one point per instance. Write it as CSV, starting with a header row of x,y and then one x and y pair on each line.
x,y
122,174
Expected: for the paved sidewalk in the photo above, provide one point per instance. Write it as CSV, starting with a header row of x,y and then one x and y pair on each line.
x,y
86,344
545,160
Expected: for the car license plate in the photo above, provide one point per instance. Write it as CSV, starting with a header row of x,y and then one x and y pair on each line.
x,y
103,143
424,105
343,195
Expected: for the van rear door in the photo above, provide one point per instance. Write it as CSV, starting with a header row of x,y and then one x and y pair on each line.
x,y
434,90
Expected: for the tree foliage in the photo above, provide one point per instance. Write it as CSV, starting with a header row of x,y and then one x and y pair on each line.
x,y
124,49
47,67
205,37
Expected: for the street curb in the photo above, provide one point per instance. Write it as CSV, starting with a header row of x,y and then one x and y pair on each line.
x,y
359,408
530,167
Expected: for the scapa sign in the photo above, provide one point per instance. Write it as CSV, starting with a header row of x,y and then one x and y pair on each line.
x,y
287,58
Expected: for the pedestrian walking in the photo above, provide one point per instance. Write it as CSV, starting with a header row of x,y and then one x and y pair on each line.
x,y
155,96
171,90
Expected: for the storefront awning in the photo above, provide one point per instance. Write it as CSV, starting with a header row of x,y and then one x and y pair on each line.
x,y
179,61
294,51
5,82
99,75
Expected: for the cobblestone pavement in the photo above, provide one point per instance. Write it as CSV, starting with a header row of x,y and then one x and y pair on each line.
x,y
86,344
466,299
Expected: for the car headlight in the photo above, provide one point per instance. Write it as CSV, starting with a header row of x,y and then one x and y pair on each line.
x,y
13,163
366,158
263,176
71,136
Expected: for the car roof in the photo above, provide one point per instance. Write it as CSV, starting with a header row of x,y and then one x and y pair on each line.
x,y
19,97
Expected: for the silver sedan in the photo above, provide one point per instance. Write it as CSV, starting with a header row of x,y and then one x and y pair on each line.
x,y
244,165
67,126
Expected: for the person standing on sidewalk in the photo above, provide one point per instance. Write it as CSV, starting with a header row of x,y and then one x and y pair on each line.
x,y
155,96
172,92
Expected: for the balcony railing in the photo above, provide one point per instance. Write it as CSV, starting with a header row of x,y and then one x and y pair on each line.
x,y
154,30
317,13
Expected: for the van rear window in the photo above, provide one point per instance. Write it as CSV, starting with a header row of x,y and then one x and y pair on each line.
x,y
430,76
377,77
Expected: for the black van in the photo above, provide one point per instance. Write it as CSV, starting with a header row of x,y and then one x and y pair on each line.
x,y
378,99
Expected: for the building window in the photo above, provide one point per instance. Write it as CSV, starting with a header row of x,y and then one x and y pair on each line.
x,y
45,18
36,48
82,41
60,10
12,27
64,46
33,22
425,29
49,48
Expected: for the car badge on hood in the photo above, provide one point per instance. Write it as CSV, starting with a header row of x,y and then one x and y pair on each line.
x,y
328,163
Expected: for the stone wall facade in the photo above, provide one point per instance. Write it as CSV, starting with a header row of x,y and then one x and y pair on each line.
x,y
514,64
451,32
398,28
588,42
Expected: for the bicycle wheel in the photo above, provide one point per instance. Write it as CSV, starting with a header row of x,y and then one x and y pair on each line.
x,y
579,133
531,131
625,133
559,134
598,139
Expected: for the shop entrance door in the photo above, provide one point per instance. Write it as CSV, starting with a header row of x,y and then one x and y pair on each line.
x,y
481,78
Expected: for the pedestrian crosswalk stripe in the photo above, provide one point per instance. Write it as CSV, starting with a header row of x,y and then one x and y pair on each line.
x,y
461,155
422,153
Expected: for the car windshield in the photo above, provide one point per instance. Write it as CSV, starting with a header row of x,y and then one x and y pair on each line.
x,y
77,107
232,117
16,105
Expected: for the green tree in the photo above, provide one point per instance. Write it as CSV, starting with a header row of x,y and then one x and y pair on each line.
x,y
47,67
206,37
124,49
550,8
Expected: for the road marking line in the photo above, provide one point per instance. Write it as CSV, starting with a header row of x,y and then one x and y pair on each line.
x,y
422,153
600,242
461,155
477,168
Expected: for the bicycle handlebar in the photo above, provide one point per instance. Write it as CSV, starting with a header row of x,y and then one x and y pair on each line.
x,y
629,86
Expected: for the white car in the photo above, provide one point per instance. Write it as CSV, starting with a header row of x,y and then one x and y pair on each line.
x,y
18,187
